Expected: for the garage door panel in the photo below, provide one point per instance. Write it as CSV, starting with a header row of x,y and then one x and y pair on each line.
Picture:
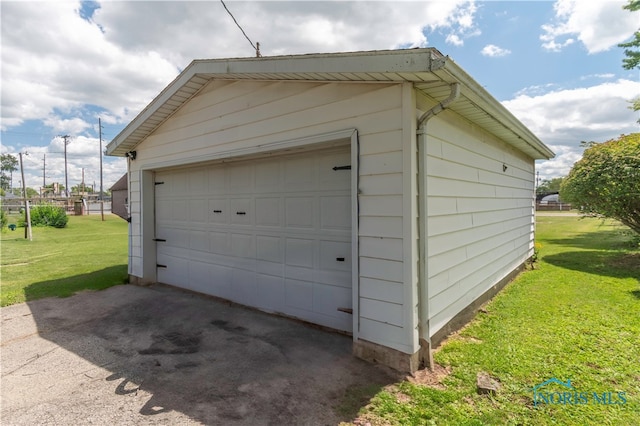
x,y
269,248
289,249
241,211
270,291
300,174
300,252
243,286
198,181
300,212
217,180
199,241
268,211
268,176
335,213
243,246
179,211
327,299
218,210
220,242
174,238
199,276
299,294
240,178
197,210
335,255
330,179
175,272
334,278
269,268
178,182
219,281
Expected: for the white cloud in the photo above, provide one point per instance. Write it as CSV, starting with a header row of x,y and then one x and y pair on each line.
x,y
59,68
82,153
604,76
494,51
598,25
454,39
54,61
564,118
66,63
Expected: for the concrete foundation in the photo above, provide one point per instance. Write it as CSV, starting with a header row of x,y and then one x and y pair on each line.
x,y
400,361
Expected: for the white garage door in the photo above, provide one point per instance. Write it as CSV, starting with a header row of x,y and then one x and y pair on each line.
x,y
272,233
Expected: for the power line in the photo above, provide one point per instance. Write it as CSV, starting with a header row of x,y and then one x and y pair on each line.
x,y
257,45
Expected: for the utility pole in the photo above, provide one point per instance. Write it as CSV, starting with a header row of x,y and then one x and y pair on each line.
x,y
101,193
66,180
27,229
44,171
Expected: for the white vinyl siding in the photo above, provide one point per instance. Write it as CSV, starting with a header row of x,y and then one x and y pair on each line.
x,y
480,216
230,117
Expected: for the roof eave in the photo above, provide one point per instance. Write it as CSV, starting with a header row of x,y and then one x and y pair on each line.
x,y
415,65
481,97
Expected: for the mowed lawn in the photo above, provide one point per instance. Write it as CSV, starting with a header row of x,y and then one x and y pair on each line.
x,y
576,317
88,254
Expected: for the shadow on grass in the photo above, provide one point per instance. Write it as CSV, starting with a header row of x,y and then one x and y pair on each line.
x,y
611,239
65,287
635,293
599,262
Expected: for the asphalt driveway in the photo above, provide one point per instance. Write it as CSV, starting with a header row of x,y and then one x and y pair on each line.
x,y
157,355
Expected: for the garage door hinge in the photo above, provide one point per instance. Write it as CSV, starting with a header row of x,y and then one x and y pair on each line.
x,y
342,167
346,310
160,266
162,240
158,183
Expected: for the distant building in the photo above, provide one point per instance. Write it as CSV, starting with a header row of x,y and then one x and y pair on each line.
x,y
119,198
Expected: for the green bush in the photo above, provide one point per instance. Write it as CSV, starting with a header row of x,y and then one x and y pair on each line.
x,y
3,219
48,215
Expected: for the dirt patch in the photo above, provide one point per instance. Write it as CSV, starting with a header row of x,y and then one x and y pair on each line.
x,y
629,261
432,378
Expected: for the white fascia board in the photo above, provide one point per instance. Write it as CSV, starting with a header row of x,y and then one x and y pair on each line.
x,y
383,61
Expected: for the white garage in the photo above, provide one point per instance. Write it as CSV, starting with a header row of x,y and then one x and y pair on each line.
x,y
384,194
272,233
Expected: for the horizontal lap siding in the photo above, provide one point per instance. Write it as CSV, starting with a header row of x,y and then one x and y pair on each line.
x,y
228,116
480,216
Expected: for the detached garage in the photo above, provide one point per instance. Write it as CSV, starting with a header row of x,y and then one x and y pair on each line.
x,y
385,194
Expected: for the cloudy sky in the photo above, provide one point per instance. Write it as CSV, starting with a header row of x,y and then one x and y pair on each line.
x,y
555,65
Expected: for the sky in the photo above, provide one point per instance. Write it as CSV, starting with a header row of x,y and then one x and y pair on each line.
x,y
65,64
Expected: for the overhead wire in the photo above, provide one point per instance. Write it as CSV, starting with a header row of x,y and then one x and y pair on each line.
x,y
255,46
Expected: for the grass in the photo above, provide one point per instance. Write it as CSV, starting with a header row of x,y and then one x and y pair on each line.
x,y
574,318
88,254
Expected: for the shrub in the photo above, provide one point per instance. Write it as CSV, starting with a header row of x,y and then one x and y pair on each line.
x,y
3,219
49,215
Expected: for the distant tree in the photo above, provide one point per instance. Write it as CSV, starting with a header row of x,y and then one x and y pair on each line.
x,y
632,48
31,193
8,164
606,181
547,186
80,188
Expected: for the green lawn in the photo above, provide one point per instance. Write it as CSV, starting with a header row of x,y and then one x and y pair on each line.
x,y
88,254
576,317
